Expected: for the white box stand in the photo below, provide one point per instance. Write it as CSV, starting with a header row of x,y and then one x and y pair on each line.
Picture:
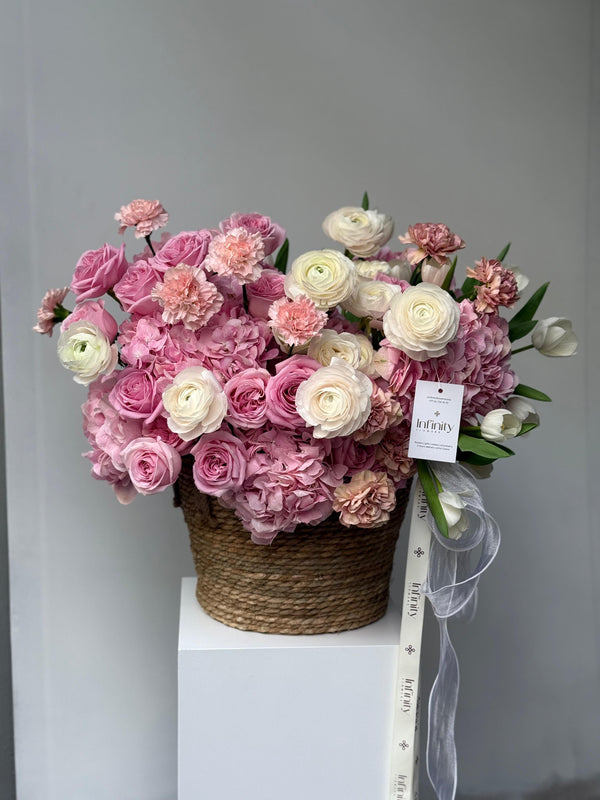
x,y
272,717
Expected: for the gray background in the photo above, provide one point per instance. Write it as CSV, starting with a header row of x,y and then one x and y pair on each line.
x,y
478,113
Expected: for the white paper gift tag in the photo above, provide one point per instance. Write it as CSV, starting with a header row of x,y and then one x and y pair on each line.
x,y
435,421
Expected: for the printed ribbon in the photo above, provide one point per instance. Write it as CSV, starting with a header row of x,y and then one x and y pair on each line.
x,y
451,588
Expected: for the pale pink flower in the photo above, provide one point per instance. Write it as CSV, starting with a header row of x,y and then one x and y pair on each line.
x,y
498,285
431,240
237,252
391,454
385,412
143,215
295,322
46,319
272,234
366,501
187,296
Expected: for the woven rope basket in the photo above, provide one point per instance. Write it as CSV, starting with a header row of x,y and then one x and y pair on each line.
x,y
319,579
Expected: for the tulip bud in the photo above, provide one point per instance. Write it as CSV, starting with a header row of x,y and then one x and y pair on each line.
x,y
499,425
554,336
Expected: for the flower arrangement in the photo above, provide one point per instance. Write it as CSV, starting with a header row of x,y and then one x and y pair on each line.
x,y
293,389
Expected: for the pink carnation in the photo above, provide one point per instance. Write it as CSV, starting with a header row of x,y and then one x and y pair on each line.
x,y
366,501
296,321
152,464
431,240
272,234
282,388
391,454
143,215
187,296
385,412
237,252
97,271
93,311
46,319
135,287
247,399
220,462
498,285
188,247
264,291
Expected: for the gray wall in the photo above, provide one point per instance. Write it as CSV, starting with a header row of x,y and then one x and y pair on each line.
x,y
474,112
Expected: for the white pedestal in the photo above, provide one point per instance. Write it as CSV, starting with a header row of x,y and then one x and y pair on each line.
x,y
269,717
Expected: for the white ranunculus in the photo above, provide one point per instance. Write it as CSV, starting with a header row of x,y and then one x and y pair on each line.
x,y
400,269
454,511
367,354
86,351
522,410
195,403
362,232
330,344
368,269
326,276
522,280
371,299
421,321
499,425
335,400
554,336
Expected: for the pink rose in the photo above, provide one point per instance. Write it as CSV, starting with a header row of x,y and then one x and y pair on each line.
x,y
137,394
220,463
188,247
93,311
246,398
134,288
273,235
158,428
354,456
152,464
282,388
97,271
264,291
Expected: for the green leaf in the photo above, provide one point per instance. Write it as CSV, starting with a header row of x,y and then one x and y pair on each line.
x,y
503,253
468,288
282,257
349,316
481,447
530,307
521,329
526,427
416,275
365,202
431,494
477,461
531,393
450,275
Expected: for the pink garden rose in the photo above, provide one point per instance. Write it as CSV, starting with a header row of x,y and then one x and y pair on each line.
x,y
103,469
366,501
46,319
219,463
264,291
97,271
93,311
152,464
135,287
432,240
188,247
238,253
187,296
272,234
143,215
282,388
137,394
157,428
246,398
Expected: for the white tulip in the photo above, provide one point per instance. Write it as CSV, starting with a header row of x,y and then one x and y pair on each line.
x,y
86,351
522,280
499,425
454,511
522,410
554,336
195,403
362,232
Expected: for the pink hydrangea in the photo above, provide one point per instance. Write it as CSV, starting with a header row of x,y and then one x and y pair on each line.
x,y
401,373
104,427
366,501
143,215
238,253
135,288
246,395
498,285
431,240
187,296
150,343
103,469
188,247
268,288
272,234
391,454
295,322
354,456
97,271
46,319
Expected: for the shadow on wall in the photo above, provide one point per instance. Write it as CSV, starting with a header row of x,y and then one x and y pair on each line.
x,y
588,789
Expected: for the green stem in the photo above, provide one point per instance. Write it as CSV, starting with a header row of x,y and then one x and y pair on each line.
x,y
111,293
522,349
149,242
60,312
245,296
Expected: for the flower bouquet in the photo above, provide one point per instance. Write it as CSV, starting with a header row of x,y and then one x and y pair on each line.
x,y
279,402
